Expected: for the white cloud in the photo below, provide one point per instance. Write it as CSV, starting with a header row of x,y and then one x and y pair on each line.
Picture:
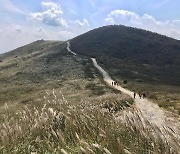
x,y
83,23
122,16
52,15
50,5
13,35
147,22
110,20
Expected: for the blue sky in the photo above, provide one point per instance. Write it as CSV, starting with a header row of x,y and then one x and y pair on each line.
x,y
24,21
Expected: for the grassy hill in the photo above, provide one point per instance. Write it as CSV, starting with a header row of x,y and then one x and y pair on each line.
x,y
134,53
54,102
149,62
42,84
28,72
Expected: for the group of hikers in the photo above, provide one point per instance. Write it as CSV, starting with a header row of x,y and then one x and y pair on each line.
x,y
114,83
141,95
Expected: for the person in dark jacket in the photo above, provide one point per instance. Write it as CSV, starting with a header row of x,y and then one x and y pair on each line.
x,y
143,95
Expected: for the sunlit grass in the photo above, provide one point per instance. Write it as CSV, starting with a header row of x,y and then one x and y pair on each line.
x,y
62,127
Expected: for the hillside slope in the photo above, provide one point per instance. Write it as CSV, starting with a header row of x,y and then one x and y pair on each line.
x,y
133,53
27,72
54,101
40,84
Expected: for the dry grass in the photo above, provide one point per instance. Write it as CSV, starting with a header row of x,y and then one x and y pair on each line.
x,y
62,127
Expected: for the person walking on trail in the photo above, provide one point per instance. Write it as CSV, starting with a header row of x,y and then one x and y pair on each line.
x,y
115,83
134,95
112,83
140,95
143,95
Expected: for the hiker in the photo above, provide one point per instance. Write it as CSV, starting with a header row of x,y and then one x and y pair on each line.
x,y
134,95
115,83
143,95
112,83
140,95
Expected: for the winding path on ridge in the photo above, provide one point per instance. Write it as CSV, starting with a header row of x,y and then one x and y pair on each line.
x,y
69,50
146,116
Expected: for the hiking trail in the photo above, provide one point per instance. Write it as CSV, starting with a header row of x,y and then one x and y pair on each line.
x,y
69,50
146,116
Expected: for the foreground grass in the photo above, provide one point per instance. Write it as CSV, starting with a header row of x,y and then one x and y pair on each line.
x,y
64,127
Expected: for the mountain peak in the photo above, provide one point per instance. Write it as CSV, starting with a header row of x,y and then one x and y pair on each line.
x,y
122,46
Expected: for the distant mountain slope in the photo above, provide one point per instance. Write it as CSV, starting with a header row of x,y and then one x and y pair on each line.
x,y
134,53
26,72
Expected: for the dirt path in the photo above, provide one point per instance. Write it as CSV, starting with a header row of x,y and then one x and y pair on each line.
x,y
148,117
69,50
